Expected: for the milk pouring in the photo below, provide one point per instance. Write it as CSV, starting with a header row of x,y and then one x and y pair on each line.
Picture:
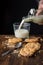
x,y
24,33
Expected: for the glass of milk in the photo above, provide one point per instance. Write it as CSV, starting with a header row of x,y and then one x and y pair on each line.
x,y
22,32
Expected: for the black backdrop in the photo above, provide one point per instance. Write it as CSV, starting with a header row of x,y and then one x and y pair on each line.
x,y
13,11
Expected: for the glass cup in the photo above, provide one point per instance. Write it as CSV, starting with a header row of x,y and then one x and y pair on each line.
x,y
23,32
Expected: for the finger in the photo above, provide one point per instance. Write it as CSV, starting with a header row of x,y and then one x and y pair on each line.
x,y
38,12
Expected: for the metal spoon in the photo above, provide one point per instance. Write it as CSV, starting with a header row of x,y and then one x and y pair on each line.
x,y
18,45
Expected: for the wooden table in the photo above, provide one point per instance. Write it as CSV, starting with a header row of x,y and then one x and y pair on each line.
x,y
14,59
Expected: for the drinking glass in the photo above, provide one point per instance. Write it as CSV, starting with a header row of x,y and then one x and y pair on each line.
x,y
23,32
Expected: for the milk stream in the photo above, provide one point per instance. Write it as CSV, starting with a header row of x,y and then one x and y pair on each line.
x,y
24,20
35,19
23,33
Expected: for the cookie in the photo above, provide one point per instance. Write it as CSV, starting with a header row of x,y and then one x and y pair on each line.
x,y
29,49
12,41
32,40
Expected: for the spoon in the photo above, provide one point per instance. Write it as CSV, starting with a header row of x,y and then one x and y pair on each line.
x,y
18,45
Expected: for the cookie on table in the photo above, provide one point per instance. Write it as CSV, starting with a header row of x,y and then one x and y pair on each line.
x,y
32,40
29,49
12,41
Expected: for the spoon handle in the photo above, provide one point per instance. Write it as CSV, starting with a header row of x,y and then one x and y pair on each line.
x,y
8,52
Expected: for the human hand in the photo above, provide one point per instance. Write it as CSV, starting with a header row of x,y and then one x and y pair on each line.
x,y
40,8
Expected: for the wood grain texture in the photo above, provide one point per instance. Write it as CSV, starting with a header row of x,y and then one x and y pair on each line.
x,y
14,59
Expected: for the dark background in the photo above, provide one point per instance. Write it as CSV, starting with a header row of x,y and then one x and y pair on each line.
x,y
12,11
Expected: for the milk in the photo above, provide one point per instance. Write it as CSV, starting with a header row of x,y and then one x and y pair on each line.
x,y
35,19
24,33
24,20
21,33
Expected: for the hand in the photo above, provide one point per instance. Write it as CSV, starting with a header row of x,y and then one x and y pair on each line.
x,y
40,8
40,11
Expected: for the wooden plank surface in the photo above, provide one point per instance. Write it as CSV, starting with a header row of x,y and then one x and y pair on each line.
x,y
15,59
